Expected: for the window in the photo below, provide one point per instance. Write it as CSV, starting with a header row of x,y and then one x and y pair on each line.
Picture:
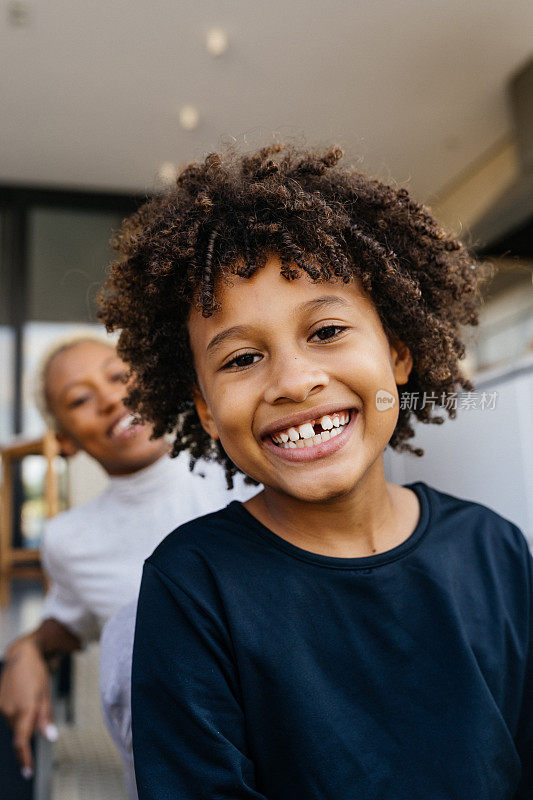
x,y
54,253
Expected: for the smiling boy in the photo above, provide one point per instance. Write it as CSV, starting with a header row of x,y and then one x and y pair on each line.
x,y
283,390
336,636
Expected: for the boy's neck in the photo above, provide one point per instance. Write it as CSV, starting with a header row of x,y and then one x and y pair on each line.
x,y
373,518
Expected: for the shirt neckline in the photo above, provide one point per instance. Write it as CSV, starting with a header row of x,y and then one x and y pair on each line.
x,y
335,562
145,480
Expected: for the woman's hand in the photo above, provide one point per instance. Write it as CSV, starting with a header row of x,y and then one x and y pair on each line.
x,y
25,698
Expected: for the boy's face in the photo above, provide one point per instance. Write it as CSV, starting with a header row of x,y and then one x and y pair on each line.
x,y
282,355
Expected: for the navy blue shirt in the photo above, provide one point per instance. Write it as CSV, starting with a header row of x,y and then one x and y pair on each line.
x,y
262,670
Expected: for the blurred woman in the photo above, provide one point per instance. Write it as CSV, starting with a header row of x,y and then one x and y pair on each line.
x,y
93,554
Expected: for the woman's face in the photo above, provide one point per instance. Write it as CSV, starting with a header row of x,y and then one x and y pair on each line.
x,y
85,388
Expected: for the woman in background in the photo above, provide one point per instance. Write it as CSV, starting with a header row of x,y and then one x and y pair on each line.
x,y
93,554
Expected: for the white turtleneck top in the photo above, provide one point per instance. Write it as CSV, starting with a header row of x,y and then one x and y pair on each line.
x,y
94,553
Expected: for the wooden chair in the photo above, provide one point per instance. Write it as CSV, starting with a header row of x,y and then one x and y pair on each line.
x,y
25,562
20,561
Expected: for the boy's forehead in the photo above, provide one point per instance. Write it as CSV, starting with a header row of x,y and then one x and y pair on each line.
x,y
268,284
268,296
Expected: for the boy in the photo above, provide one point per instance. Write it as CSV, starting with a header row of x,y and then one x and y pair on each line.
x,y
337,636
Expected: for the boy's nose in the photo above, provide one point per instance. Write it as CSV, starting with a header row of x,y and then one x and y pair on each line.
x,y
295,379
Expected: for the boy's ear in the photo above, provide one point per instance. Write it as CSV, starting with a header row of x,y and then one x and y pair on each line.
x,y
402,362
67,445
202,409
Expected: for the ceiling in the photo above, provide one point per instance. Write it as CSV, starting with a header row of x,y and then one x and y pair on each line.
x,y
90,90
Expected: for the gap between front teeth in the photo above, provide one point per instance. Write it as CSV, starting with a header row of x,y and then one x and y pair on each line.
x,y
305,436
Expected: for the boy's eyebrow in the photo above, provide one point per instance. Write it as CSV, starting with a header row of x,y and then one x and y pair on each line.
x,y
229,333
327,300
309,305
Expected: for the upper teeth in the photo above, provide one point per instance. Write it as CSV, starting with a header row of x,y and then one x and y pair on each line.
x,y
123,423
306,431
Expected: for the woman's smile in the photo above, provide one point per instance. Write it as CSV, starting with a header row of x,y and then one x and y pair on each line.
x,y
86,389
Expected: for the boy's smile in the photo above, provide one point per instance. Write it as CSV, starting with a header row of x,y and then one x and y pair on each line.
x,y
313,438
288,373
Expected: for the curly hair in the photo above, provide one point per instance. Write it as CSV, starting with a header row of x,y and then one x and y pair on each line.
x,y
225,216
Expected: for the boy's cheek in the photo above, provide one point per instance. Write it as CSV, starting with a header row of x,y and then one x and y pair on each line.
x,y
380,408
382,419
204,413
245,456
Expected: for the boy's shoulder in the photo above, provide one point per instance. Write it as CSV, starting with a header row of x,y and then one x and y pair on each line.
x,y
209,557
217,536
471,522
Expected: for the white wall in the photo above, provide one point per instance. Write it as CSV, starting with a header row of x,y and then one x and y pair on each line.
x,y
482,455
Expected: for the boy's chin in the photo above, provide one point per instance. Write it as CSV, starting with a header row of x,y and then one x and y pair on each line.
x,y
321,491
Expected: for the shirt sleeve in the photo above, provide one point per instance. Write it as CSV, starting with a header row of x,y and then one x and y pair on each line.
x,y
61,602
188,723
62,605
524,734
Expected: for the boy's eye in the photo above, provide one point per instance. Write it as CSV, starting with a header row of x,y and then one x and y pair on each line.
x,y
328,332
119,376
243,360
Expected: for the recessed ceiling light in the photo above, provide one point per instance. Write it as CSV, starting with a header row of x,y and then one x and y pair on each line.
x,y
18,14
216,41
189,117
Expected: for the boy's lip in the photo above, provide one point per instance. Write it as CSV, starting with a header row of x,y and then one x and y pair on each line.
x,y
303,416
315,451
